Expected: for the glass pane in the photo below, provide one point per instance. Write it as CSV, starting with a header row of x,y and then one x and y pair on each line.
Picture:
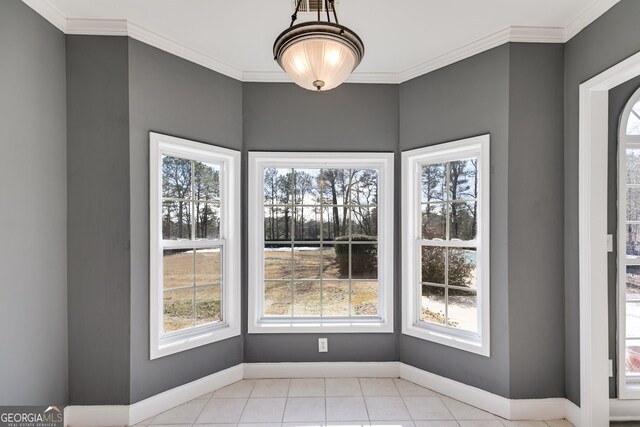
x,y
633,125
434,221
364,190
207,181
177,268
364,298
207,221
277,299
307,223
335,222
335,298
463,310
364,222
633,282
178,309
176,178
462,268
432,308
633,166
176,220
334,186
433,182
331,268
307,187
306,262
633,320
463,179
633,239
208,262
208,304
278,262
463,217
278,186
433,265
364,261
633,204
633,357
306,299
277,223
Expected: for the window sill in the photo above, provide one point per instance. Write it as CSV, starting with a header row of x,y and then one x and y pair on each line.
x,y
192,339
460,341
280,326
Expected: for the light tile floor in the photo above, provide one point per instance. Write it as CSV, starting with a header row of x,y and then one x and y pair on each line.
x,y
345,402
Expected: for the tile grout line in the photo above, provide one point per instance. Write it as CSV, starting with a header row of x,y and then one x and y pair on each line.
x,y
366,408
245,403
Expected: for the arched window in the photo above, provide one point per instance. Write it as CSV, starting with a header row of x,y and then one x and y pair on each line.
x,y
629,250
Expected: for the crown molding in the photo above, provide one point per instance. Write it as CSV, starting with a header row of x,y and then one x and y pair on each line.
x,y
123,27
587,16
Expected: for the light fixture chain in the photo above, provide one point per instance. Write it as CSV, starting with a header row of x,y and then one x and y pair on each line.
x,y
294,17
326,7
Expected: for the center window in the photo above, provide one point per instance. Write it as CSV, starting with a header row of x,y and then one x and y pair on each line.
x,y
321,248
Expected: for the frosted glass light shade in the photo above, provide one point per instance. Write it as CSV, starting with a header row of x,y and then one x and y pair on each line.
x,y
318,56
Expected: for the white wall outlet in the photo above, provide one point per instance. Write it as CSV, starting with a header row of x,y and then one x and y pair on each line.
x,y
610,368
609,242
323,345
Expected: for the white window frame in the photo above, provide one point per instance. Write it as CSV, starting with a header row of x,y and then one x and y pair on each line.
x,y
383,162
626,389
412,162
229,160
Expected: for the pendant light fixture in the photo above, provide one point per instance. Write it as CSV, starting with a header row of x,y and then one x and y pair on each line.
x,y
318,55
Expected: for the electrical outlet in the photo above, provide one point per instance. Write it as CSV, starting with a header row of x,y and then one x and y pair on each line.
x,y
610,368
609,242
323,345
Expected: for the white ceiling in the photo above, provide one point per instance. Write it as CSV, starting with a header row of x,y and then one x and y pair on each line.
x,y
403,38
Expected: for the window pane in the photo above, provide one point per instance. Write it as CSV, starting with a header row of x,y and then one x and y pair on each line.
x,y
278,186
463,179
633,239
633,204
306,299
364,261
178,309
207,181
364,221
207,221
433,265
633,166
330,267
277,299
208,262
633,282
307,223
176,178
208,304
364,190
463,310
633,125
277,223
342,260
432,304
633,320
176,220
307,186
278,262
335,298
334,186
177,268
307,261
364,298
335,222
463,217
633,357
462,268
433,182
434,221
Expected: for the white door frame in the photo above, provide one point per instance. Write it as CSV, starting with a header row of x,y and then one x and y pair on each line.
x,y
593,140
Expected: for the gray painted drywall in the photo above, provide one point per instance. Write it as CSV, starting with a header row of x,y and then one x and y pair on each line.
x,y
98,219
536,212
618,99
466,99
353,117
33,270
610,39
172,96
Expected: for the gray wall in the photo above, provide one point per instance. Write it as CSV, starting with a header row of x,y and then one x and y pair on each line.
x,y
618,99
98,219
353,117
466,99
172,96
607,41
33,266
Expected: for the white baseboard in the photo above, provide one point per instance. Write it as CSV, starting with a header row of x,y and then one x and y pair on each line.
x,y
512,409
624,410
